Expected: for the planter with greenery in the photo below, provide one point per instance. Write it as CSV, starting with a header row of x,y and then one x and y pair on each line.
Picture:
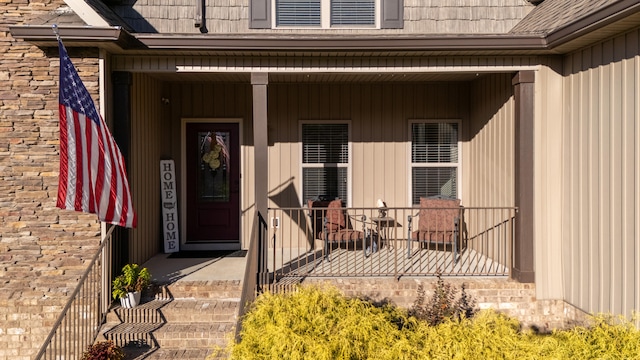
x,y
129,284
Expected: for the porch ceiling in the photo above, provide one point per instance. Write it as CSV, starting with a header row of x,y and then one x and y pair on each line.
x,y
317,77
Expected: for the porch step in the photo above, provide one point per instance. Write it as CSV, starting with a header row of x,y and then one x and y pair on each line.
x,y
190,354
214,289
177,321
193,335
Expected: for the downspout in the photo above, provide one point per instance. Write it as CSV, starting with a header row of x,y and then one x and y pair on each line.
x,y
199,18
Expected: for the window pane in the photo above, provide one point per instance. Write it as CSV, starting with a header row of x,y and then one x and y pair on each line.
x,y
430,181
434,143
352,12
325,144
330,182
298,12
213,166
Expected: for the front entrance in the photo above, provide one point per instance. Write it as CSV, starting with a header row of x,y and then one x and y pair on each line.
x,y
212,156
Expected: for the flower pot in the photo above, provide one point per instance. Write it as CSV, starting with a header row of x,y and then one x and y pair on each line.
x,y
131,300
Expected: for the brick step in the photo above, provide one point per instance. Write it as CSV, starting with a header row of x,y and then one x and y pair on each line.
x,y
148,311
215,289
194,336
126,334
171,336
155,354
179,310
200,310
182,320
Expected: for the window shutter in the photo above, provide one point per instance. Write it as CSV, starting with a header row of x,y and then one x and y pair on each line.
x,y
392,14
260,14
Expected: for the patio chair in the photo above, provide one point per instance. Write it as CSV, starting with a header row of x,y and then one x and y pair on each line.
x,y
336,228
317,212
438,223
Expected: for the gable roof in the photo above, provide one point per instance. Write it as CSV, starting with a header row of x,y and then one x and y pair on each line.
x,y
552,15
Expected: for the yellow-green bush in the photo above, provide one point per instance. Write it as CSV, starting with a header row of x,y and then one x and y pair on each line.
x,y
320,323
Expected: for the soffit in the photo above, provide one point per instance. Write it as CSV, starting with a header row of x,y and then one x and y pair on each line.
x,y
345,78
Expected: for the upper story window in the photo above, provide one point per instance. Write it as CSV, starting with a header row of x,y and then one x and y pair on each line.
x,y
325,13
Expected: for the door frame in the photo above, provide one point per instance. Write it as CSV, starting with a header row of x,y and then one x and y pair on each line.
x,y
183,187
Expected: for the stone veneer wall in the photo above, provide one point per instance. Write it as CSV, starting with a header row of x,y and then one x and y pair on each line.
x,y
43,250
505,295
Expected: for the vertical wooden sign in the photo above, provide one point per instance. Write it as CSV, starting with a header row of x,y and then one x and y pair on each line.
x,y
169,206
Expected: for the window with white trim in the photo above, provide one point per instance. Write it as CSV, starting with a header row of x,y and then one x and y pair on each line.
x,y
325,13
434,159
325,160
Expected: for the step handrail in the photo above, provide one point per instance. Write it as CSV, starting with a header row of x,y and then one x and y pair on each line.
x,y
77,341
256,272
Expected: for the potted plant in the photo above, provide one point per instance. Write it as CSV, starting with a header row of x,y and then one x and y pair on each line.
x,y
129,285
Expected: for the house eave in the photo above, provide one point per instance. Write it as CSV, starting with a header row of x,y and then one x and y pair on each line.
x,y
110,37
341,43
616,12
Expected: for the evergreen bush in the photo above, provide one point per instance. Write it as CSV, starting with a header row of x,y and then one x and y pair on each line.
x,y
320,323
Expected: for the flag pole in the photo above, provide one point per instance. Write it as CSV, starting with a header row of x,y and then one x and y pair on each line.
x,y
56,31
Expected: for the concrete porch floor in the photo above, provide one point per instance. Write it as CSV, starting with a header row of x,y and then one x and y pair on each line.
x,y
166,270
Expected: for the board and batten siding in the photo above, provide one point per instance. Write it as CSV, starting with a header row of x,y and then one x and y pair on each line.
x,y
148,143
489,155
488,161
547,180
601,176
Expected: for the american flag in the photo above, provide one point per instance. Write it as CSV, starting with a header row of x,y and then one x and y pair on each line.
x,y
93,177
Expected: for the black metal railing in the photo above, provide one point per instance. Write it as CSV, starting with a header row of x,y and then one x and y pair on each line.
x,y
256,275
304,242
81,318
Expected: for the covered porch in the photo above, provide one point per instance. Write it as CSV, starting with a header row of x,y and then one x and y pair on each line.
x,y
490,104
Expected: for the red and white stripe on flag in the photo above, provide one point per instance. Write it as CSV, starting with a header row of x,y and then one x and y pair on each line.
x,y
93,176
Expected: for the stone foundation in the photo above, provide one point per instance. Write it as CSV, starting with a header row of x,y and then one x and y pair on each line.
x,y
504,295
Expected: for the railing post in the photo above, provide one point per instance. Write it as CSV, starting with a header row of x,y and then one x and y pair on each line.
x,y
409,218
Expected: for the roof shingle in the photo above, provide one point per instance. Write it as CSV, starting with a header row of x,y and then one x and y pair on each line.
x,y
552,15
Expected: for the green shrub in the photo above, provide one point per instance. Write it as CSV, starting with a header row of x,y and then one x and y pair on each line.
x,y
320,323
606,337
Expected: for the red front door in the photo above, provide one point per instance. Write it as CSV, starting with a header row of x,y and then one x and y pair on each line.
x,y
213,183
